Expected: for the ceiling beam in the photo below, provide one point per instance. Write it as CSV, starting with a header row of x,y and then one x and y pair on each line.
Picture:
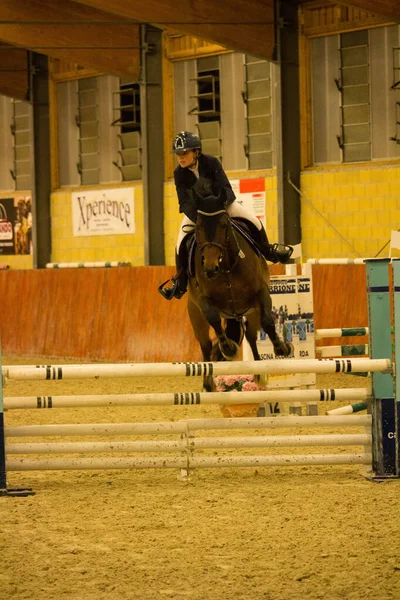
x,y
389,9
72,32
14,81
242,25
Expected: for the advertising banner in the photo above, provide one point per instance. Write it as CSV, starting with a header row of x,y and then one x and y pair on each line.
x,y
251,194
103,212
292,308
16,225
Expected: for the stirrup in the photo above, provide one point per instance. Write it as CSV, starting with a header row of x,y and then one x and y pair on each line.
x,y
280,253
173,291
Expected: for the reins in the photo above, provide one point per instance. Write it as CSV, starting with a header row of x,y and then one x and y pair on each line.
x,y
224,249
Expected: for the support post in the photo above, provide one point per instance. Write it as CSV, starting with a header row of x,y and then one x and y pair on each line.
x,y
384,419
4,490
396,328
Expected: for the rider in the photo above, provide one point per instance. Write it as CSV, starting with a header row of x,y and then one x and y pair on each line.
x,y
192,165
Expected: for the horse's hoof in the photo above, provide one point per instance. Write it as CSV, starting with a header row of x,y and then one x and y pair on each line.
x,y
285,350
235,353
291,350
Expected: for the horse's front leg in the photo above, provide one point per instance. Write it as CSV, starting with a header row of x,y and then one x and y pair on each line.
x,y
281,348
228,347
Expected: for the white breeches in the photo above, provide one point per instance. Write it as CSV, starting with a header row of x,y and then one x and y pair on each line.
x,y
234,210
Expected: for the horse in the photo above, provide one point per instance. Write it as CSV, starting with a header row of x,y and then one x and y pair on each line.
x,y
228,289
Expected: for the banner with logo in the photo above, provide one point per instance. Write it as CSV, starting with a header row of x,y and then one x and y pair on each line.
x,y
251,194
16,225
293,312
103,212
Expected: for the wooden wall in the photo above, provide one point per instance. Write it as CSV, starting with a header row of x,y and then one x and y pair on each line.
x,y
117,314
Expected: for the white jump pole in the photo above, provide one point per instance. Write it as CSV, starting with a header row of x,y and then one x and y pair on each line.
x,y
184,426
68,464
194,369
96,447
188,398
281,460
96,429
280,422
56,464
337,261
257,441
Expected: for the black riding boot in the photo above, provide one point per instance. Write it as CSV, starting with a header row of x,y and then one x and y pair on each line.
x,y
275,253
180,280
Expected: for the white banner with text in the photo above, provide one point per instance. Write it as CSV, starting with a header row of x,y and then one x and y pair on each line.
x,y
104,212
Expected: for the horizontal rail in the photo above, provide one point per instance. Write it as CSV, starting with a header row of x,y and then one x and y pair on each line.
x,y
341,332
187,398
283,422
54,464
194,369
362,439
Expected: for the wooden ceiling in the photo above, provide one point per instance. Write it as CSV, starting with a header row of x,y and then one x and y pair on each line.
x,y
104,34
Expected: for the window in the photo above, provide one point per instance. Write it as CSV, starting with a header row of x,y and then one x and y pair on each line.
x,y
21,131
257,97
355,139
353,98
396,89
208,109
88,123
127,120
88,144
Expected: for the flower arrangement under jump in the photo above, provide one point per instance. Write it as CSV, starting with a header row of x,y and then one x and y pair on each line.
x,y
238,383
232,383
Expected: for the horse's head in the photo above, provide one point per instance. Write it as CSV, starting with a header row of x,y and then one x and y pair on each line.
x,y
213,233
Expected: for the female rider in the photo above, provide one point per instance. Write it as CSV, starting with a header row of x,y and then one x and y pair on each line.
x,y
192,165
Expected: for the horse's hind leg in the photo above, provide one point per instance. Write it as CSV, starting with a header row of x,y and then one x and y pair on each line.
x,y
281,348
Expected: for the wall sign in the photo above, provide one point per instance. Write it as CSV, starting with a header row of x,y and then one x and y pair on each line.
x,y
103,212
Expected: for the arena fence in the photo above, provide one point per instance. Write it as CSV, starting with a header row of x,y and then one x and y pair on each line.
x,y
378,439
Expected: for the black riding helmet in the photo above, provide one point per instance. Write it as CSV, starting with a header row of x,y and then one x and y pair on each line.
x,y
185,140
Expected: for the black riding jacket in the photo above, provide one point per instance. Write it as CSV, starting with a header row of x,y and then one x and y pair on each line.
x,y
209,168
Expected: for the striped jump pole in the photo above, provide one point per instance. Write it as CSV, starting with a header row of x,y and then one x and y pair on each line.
x,y
384,423
196,369
341,332
188,398
349,409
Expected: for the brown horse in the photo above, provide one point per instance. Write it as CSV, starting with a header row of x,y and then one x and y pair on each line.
x,y
229,289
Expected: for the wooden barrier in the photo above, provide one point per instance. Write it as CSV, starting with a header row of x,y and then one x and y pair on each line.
x,y
118,315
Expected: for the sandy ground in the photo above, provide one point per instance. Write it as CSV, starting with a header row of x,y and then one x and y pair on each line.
x,y
271,533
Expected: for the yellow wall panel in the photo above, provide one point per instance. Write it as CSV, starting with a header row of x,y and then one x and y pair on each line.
x,y
366,208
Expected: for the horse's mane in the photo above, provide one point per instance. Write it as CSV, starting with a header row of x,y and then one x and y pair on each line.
x,y
209,206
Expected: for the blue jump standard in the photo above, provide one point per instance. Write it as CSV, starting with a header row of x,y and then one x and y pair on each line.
x,y
4,490
385,460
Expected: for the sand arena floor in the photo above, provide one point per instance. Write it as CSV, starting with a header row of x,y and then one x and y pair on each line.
x,y
271,533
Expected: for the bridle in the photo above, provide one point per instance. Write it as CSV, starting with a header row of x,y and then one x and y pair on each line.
x,y
239,254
